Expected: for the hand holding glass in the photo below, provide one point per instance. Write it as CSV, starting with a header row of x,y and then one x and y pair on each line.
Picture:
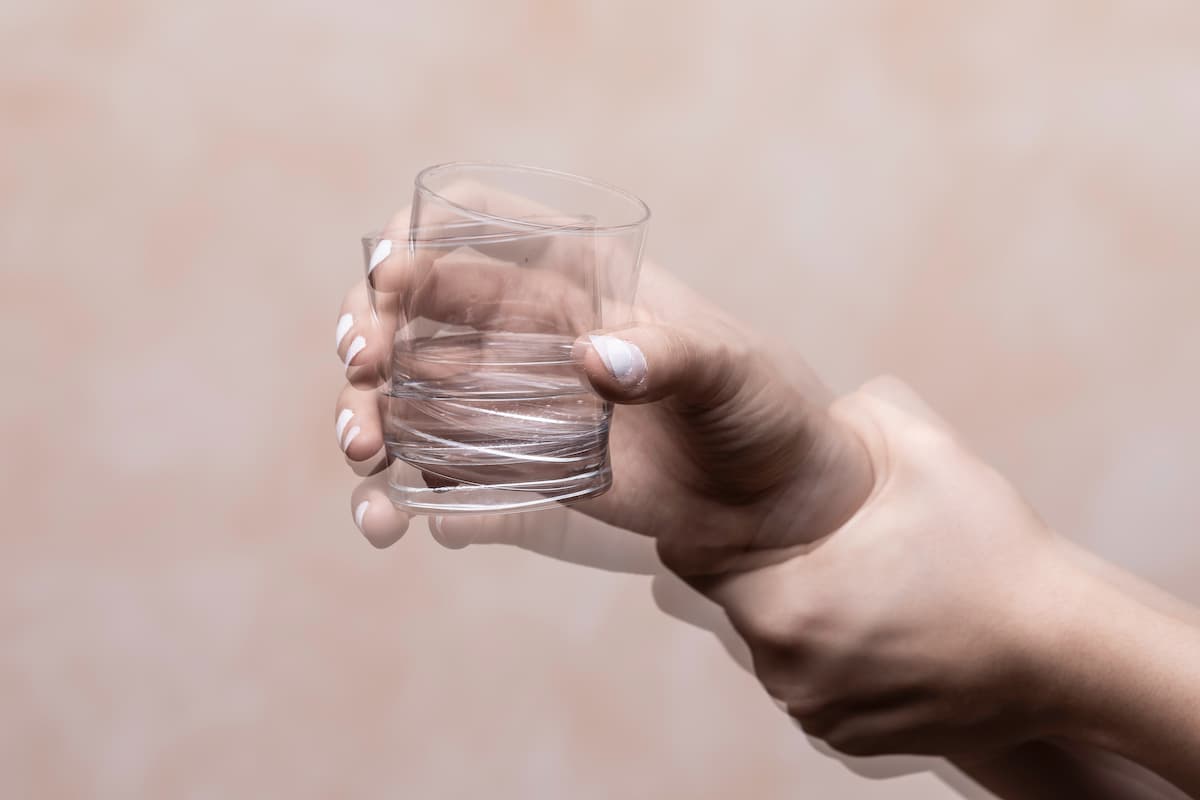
x,y
501,271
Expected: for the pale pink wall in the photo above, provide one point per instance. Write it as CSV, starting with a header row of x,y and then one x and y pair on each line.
x,y
997,201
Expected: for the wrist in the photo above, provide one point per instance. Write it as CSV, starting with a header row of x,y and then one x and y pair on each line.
x,y
1121,671
1059,634
1087,670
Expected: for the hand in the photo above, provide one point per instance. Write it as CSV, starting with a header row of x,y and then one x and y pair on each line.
x,y
723,452
920,625
931,621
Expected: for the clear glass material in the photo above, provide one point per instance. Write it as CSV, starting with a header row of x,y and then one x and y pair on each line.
x,y
501,270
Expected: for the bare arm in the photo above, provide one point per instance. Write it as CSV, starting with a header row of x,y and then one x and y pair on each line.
x,y
1053,770
1133,687
1065,768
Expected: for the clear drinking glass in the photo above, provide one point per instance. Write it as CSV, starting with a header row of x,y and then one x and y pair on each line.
x,y
500,271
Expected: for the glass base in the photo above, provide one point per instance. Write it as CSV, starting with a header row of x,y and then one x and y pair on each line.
x,y
465,498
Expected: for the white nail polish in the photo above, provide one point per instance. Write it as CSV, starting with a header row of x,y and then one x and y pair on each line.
x,y
381,251
356,347
345,323
623,360
343,420
359,512
350,437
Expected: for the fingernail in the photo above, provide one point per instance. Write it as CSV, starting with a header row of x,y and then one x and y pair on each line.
x,y
381,251
350,437
342,420
356,347
359,512
623,360
345,323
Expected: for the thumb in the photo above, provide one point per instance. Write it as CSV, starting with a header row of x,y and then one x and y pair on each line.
x,y
749,430
651,362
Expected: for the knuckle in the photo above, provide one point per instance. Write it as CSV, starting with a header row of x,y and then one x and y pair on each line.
x,y
847,742
780,678
814,711
471,192
400,220
929,442
778,630
677,556
774,689
767,629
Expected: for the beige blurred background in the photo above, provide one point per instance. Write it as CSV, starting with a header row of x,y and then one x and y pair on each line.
x,y
997,201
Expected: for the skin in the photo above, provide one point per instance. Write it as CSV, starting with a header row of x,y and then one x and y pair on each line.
x,y
896,593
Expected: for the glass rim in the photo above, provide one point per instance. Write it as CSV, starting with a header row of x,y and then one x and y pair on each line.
x,y
421,184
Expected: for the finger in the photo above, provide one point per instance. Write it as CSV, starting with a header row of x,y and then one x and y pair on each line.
x,y
466,213
653,362
821,711
484,258
365,335
381,522
749,598
399,263
392,261
736,407
542,531
559,533
466,287
357,423
891,728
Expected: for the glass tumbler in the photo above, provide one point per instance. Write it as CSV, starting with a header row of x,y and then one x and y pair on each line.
x,y
500,271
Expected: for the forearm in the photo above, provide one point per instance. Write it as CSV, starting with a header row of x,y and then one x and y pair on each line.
x,y
1052,770
1124,632
1131,685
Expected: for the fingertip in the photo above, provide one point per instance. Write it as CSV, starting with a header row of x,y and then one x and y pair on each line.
x,y
389,264
367,369
357,429
449,533
381,523
379,254
362,442
357,345
615,366
383,542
